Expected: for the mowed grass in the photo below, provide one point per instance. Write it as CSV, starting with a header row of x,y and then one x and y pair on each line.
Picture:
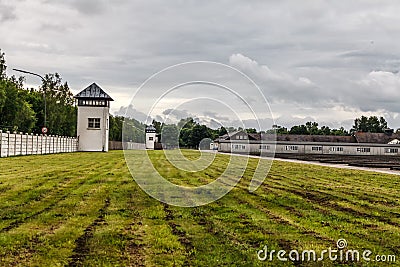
x,y
84,209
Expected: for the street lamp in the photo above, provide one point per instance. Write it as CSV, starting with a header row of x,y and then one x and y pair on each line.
x,y
44,92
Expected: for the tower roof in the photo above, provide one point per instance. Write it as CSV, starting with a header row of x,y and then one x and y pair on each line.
x,y
93,91
150,129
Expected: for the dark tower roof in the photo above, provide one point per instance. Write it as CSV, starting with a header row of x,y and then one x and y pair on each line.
x,y
93,91
150,129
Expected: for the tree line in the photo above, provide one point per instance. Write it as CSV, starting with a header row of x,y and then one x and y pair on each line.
x,y
371,124
22,110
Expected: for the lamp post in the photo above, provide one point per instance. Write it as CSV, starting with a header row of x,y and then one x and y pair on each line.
x,y
44,92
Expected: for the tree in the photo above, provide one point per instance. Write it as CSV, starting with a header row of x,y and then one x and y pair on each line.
x,y
170,136
251,130
61,112
134,131
231,129
16,114
222,131
325,130
300,129
116,125
371,124
341,131
383,123
312,128
282,130
3,66
199,132
186,126
158,125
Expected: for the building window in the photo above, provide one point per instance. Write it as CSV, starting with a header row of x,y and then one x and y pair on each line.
x,y
391,150
94,123
336,149
316,148
267,147
99,103
238,147
363,149
291,148
151,138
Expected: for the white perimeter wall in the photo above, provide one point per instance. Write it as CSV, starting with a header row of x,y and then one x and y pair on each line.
x,y
19,144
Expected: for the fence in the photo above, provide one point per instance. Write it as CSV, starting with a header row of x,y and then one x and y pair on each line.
x,y
118,145
15,144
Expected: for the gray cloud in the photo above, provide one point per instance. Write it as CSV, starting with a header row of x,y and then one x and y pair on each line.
x,y
177,113
7,11
86,7
325,60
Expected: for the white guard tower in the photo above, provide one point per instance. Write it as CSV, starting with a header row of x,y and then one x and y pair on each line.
x,y
150,137
93,119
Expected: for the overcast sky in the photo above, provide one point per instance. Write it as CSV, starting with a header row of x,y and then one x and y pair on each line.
x,y
328,61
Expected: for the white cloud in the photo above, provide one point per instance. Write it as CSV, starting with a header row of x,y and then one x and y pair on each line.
x,y
248,65
7,12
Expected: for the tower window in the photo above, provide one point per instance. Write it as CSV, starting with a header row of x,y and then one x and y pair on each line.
x,y
94,123
151,138
91,102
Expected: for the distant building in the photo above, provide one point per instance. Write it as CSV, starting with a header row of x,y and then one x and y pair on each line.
x,y
358,144
93,119
151,137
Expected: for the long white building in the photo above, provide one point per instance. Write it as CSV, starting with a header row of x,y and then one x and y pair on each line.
x,y
256,144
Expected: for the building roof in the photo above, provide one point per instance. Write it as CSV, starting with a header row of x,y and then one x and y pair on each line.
x,y
93,91
232,135
313,138
379,138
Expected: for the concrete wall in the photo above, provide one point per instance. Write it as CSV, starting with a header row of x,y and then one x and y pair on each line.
x,y
118,145
19,144
93,139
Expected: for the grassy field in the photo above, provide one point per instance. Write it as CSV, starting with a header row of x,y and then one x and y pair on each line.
x,y
84,209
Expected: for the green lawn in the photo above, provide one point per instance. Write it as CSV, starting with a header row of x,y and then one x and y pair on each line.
x,y
84,209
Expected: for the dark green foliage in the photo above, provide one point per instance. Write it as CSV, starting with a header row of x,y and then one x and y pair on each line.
x,y
299,129
16,113
22,110
133,130
371,124
170,136
310,128
116,125
61,110
222,131
251,130
3,66
191,133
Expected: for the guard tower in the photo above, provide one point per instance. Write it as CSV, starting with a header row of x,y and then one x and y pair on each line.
x,y
150,137
93,119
